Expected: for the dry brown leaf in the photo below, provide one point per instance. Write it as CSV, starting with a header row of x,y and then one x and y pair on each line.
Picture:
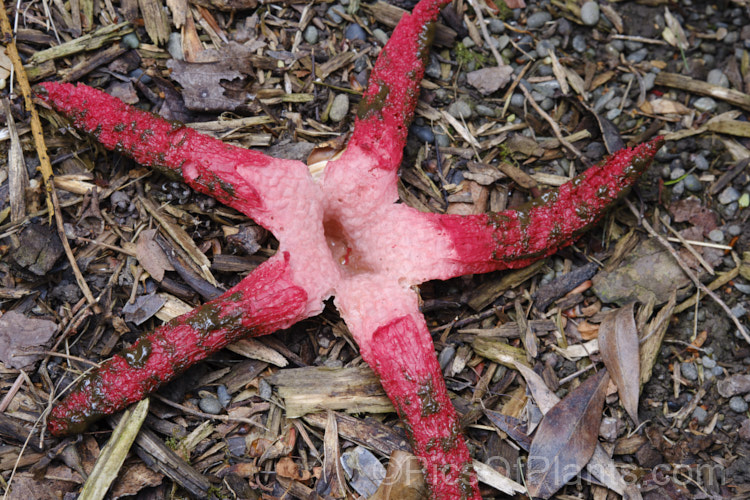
x,y
151,256
673,34
618,345
404,479
20,334
566,438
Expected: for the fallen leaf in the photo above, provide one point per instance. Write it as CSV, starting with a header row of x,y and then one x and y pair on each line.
x,y
567,437
286,467
489,80
151,256
404,479
143,308
673,34
618,345
20,334
364,470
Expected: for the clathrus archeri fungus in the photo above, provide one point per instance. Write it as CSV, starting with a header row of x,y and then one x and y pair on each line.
x,y
342,236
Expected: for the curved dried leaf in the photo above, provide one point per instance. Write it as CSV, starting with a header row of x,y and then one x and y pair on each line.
x,y
618,345
567,437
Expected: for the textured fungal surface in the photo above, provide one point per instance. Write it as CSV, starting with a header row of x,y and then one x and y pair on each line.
x,y
344,236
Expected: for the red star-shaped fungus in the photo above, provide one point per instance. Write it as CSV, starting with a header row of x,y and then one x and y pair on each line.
x,y
343,236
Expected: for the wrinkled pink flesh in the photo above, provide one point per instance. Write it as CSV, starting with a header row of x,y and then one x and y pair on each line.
x,y
342,237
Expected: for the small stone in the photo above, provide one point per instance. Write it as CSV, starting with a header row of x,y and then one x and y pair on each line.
x,y
739,310
708,363
704,104
689,371
728,195
502,42
742,288
734,229
131,41
467,42
380,35
355,32
692,183
547,104
613,114
590,13
678,189
608,429
538,19
717,236
174,46
700,162
334,12
737,404
548,88
210,405
496,26
579,43
433,69
311,35
223,395
424,134
717,77
484,110
443,141
339,108
676,173
460,109
718,371
446,356
700,415
544,47
517,100
638,56
649,80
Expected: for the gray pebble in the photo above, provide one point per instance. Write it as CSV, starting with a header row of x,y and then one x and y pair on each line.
x,y
424,134
538,19
210,405
547,104
380,35
339,108
264,389
517,100
174,46
537,96
742,288
728,195
579,43
716,235
700,162
223,395
484,110
590,13
443,141
140,75
502,42
648,81
334,12
612,51
612,114
676,173
594,150
739,310
460,109
688,371
311,35
708,363
638,56
355,32
563,27
731,38
131,40
468,42
717,77
700,415
496,26
678,189
718,371
614,103
548,88
734,229
544,47
704,104
737,404
692,183
433,69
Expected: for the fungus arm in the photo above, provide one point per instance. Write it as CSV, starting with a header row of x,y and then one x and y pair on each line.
x,y
246,180
265,301
515,238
